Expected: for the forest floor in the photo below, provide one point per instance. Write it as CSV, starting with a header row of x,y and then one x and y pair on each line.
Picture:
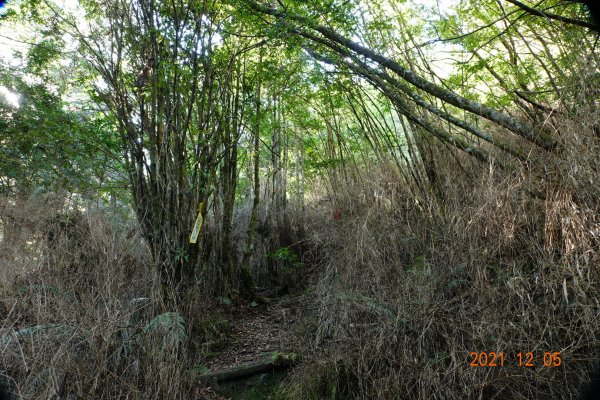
x,y
257,333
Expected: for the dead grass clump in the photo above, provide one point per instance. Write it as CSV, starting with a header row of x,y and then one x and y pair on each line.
x,y
411,287
82,316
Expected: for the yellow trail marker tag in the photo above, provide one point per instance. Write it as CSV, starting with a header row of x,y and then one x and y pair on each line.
x,y
197,225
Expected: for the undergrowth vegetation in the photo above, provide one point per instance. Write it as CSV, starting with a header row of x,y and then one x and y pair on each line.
x,y
411,286
82,312
406,284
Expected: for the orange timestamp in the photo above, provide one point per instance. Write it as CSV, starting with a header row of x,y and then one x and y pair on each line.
x,y
520,359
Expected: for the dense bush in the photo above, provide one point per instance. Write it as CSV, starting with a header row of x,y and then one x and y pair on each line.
x,y
411,286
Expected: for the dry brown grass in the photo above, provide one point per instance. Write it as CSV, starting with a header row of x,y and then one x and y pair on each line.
x,y
411,287
76,311
81,310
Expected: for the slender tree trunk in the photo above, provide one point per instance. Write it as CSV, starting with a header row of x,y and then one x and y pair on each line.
x,y
248,286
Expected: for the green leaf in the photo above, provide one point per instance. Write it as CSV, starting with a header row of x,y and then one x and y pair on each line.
x,y
171,324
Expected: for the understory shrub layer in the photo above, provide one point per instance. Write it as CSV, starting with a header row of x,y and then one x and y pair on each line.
x,y
410,286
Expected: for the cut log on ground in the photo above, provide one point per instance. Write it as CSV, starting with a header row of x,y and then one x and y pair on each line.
x,y
275,362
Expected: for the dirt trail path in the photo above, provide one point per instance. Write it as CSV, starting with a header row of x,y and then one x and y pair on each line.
x,y
258,333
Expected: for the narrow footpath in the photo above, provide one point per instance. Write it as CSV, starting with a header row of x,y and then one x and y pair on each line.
x,y
260,351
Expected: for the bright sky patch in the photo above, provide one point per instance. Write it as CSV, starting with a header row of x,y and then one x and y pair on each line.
x,y
11,98
3,8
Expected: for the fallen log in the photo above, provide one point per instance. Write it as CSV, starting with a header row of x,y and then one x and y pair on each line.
x,y
277,361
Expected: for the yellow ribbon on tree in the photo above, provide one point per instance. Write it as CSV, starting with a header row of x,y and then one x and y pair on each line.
x,y
197,225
